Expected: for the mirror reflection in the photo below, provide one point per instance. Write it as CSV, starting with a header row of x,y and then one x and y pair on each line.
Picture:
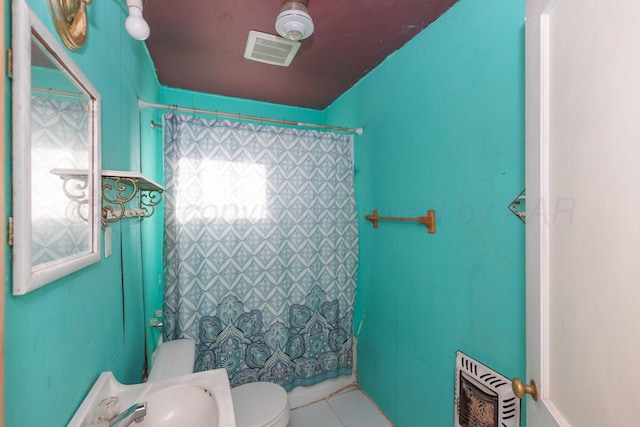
x,y
60,153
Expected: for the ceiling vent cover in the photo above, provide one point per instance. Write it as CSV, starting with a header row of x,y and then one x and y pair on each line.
x,y
270,49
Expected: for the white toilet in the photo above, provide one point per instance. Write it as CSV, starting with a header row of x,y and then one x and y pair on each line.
x,y
258,404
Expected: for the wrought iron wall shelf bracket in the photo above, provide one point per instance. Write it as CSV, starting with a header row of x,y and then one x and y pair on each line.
x,y
74,187
120,188
429,220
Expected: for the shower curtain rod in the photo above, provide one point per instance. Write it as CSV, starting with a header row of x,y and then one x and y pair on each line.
x,y
144,104
50,91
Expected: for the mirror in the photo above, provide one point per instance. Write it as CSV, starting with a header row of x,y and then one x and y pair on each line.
x,y
56,158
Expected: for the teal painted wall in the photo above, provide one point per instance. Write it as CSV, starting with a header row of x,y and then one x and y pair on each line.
x,y
189,99
444,129
443,126
59,338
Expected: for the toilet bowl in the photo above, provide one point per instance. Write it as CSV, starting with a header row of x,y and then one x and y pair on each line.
x,y
260,405
257,404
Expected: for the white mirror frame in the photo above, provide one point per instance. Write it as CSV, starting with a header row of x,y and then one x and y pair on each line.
x,y
25,278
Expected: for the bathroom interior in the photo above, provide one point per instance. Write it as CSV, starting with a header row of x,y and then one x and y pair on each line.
x,y
443,129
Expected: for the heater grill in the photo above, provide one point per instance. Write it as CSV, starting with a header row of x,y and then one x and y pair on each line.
x,y
484,398
270,49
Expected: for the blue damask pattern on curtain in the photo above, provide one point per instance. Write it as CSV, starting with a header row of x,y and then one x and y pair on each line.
x,y
261,248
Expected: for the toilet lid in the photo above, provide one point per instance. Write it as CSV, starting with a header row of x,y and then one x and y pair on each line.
x,y
259,404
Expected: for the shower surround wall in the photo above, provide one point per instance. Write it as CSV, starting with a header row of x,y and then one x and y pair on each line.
x,y
443,122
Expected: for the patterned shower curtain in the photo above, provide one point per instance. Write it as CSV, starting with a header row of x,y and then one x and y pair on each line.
x,y
260,248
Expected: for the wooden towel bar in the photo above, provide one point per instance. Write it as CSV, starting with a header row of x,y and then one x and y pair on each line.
x,y
429,221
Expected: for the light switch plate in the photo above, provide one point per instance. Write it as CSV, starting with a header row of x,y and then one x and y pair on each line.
x,y
107,242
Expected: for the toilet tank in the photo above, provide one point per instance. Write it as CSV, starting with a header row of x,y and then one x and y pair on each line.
x,y
174,358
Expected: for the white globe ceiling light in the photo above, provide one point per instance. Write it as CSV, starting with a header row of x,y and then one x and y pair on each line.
x,y
294,21
135,24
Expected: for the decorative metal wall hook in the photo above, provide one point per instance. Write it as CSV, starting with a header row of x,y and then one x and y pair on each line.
x,y
518,206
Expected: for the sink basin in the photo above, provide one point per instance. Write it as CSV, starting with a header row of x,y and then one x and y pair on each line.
x,y
194,400
181,405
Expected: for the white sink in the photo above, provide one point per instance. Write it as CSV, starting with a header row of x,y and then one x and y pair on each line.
x,y
181,405
195,400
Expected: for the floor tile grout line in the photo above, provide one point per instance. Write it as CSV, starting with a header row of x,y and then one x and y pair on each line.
x,y
340,394
335,413
325,415
345,389
377,408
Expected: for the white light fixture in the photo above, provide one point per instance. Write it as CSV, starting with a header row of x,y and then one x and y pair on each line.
x,y
135,24
294,21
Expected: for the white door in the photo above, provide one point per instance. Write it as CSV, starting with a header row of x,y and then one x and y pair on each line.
x,y
583,212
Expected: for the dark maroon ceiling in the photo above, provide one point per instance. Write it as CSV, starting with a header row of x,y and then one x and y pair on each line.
x,y
199,45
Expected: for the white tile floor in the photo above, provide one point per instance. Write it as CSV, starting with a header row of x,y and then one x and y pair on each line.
x,y
348,409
